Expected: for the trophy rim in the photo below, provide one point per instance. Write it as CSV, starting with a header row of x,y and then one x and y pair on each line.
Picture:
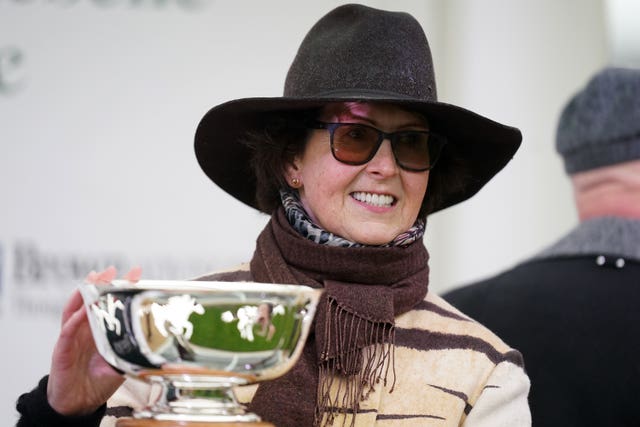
x,y
181,381
203,285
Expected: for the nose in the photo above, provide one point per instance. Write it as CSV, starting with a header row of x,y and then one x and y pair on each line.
x,y
383,162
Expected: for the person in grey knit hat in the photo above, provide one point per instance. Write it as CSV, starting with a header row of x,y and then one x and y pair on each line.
x,y
572,309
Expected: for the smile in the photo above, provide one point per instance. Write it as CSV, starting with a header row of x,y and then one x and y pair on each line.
x,y
379,200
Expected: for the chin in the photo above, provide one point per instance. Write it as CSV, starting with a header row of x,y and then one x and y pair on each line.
x,y
374,240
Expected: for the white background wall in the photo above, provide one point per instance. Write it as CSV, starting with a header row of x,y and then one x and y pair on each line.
x,y
99,100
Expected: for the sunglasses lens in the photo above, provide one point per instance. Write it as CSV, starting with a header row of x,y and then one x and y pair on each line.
x,y
412,150
354,144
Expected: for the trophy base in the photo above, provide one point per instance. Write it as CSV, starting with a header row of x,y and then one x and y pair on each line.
x,y
133,422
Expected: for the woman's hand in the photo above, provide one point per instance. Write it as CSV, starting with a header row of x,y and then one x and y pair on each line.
x,y
80,380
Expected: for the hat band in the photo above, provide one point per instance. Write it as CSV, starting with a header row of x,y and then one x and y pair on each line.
x,y
364,94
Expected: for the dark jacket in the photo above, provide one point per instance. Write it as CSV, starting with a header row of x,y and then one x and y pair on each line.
x,y
574,313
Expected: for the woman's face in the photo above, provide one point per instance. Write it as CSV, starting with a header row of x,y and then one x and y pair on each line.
x,y
338,196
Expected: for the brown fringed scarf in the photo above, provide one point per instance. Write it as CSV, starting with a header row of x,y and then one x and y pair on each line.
x,y
353,337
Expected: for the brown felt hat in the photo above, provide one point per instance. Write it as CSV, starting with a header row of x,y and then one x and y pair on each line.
x,y
358,53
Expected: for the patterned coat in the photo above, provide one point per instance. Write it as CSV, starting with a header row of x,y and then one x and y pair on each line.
x,y
450,371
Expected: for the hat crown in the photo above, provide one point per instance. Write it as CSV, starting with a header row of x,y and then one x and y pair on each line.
x,y
600,125
353,53
356,49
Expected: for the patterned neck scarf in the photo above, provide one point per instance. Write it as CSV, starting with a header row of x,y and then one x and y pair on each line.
x,y
302,223
351,346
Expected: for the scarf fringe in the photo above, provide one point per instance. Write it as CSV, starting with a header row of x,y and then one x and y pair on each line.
x,y
348,370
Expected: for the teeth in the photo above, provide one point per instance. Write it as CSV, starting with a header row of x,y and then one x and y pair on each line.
x,y
374,199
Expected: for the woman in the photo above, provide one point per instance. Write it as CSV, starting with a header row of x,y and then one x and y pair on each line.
x,y
349,163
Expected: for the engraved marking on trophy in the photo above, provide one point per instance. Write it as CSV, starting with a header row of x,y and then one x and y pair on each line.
x,y
108,314
250,316
172,318
195,382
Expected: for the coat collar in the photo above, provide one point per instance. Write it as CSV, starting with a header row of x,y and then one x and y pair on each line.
x,y
605,235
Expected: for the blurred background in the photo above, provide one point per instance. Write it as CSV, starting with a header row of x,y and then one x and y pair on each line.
x,y
99,101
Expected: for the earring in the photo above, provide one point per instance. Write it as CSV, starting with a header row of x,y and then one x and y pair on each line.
x,y
295,182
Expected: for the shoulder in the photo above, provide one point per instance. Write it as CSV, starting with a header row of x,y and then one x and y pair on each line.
x,y
456,356
508,286
530,282
238,273
449,328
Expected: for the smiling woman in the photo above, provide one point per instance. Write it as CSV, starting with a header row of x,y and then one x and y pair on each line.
x,y
348,164
370,203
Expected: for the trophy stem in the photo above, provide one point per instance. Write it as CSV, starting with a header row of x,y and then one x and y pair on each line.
x,y
131,422
194,402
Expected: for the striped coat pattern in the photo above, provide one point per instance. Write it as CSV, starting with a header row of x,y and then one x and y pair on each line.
x,y
449,371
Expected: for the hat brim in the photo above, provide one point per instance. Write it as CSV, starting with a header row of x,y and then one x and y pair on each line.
x,y
482,145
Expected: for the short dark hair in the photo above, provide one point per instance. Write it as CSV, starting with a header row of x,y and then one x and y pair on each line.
x,y
448,176
284,135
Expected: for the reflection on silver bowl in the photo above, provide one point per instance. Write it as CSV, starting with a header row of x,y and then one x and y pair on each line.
x,y
197,340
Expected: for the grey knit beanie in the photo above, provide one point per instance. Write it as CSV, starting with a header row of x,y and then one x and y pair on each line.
x,y
600,125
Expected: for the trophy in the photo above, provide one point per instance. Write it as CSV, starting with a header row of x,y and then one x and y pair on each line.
x,y
198,340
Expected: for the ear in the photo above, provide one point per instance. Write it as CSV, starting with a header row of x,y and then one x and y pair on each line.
x,y
292,173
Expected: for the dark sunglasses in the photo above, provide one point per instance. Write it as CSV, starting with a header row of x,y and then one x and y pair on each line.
x,y
356,144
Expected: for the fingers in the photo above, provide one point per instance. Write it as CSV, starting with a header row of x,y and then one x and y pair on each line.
x,y
74,303
106,276
102,278
72,327
133,275
80,379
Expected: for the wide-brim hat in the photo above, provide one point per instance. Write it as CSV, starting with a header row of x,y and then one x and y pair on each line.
x,y
358,53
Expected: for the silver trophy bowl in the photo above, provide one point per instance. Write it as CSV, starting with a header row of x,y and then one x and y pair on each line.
x,y
198,340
